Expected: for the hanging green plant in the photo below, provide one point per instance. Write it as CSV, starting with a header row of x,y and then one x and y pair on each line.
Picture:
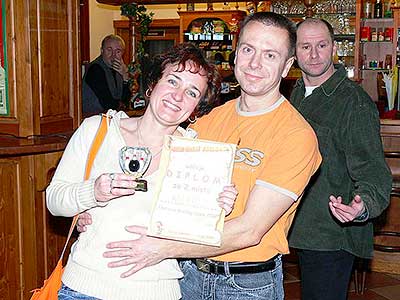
x,y
142,20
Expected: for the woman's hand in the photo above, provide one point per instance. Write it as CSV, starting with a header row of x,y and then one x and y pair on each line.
x,y
113,185
227,198
84,219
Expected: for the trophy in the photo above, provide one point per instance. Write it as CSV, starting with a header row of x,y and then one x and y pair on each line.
x,y
135,161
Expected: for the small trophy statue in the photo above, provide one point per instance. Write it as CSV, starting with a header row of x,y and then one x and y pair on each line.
x,y
135,161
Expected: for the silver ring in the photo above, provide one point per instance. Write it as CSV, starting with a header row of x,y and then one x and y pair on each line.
x,y
112,176
111,184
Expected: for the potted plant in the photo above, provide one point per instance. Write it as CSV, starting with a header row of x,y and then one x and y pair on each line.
x,y
141,20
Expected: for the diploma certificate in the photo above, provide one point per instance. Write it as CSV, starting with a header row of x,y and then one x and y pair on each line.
x,y
192,174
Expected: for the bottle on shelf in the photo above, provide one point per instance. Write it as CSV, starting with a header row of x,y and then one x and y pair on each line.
x,y
388,61
368,9
374,35
389,34
381,35
388,9
378,9
365,35
190,6
364,62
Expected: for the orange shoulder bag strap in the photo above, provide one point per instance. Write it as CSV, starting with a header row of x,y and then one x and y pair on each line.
x,y
98,140
50,288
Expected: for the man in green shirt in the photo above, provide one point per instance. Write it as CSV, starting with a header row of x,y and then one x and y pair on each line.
x,y
333,223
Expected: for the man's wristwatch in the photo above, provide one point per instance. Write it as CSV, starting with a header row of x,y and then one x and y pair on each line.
x,y
363,217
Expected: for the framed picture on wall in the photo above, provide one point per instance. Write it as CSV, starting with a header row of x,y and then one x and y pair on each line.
x,y
4,105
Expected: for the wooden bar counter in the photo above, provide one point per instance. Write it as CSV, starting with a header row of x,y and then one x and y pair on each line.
x,y
389,221
30,239
16,146
43,100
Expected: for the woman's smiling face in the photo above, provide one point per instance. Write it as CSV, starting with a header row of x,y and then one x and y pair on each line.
x,y
177,93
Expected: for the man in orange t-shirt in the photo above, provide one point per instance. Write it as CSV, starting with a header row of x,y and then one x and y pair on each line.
x,y
277,154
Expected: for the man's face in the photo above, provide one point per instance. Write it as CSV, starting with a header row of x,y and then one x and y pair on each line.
x,y
112,50
314,51
262,59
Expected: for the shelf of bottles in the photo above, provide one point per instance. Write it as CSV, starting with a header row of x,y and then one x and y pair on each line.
x,y
297,7
339,13
213,36
377,36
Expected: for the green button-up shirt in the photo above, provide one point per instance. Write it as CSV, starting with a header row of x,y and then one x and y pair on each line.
x,y
347,125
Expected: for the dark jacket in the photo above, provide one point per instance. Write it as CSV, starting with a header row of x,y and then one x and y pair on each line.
x,y
347,125
102,88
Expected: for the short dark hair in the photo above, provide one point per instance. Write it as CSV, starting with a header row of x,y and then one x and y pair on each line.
x,y
273,19
179,55
319,21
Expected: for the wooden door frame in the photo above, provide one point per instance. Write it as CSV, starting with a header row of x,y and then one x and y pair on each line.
x,y
84,31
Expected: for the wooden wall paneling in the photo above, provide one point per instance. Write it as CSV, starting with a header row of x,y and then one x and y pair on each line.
x,y
75,62
20,120
121,28
9,232
389,220
31,239
171,27
17,247
27,223
390,132
54,37
35,55
84,31
50,231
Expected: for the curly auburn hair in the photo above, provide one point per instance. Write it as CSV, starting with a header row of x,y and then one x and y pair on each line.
x,y
179,55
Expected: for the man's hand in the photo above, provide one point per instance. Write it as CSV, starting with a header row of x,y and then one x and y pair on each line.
x,y
226,199
140,253
147,251
346,213
119,66
84,219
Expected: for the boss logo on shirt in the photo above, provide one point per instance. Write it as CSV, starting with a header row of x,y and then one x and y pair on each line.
x,y
248,156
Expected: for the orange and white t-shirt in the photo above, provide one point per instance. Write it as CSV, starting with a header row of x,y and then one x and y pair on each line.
x,y
278,150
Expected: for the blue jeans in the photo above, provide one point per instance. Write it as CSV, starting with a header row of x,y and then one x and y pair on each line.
x,y
65,293
197,285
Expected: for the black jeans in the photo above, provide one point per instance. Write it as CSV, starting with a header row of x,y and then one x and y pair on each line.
x,y
325,275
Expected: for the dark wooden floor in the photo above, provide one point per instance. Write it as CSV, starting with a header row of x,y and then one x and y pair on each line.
x,y
379,286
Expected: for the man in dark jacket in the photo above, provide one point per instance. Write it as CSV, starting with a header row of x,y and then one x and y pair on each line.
x,y
333,223
105,84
